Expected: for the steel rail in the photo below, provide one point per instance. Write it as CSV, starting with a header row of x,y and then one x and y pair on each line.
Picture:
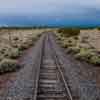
x,y
40,63
55,56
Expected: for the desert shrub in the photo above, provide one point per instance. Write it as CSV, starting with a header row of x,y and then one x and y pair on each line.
x,y
8,65
38,35
68,32
1,57
98,28
68,39
29,42
85,54
76,37
85,39
35,38
15,38
66,44
10,52
15,45
95,60
14,53
73,50
59,30
3,50
58,38
69,42
23,46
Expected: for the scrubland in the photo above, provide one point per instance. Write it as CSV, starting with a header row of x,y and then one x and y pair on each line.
x,y
12,44
84,44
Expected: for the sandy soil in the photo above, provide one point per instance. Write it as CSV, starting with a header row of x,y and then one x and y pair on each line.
x,y
93,37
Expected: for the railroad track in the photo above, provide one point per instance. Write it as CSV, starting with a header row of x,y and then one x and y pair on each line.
x,y
42,77
51,84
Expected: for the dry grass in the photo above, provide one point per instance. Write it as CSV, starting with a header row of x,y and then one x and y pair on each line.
x,y
8,65
84,46
12,43
93,38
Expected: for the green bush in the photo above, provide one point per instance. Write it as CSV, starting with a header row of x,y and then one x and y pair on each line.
x,y
11,53
15,45
76,37
95,60
15,38
66,44
98,28
8,65
68,32
85,54
14,53
58,38
69,42
39,35
68,38
23,46
59,30
3,50
73,50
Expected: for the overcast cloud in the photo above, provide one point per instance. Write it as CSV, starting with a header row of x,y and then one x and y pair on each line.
x,y
53,12
48,6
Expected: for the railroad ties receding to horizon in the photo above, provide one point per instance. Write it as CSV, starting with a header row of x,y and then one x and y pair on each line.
x,y
51,86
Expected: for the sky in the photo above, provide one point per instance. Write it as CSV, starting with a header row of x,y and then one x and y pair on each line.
x,y
49,12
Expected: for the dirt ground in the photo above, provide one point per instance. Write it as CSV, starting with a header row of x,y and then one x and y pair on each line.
x,y
93,36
